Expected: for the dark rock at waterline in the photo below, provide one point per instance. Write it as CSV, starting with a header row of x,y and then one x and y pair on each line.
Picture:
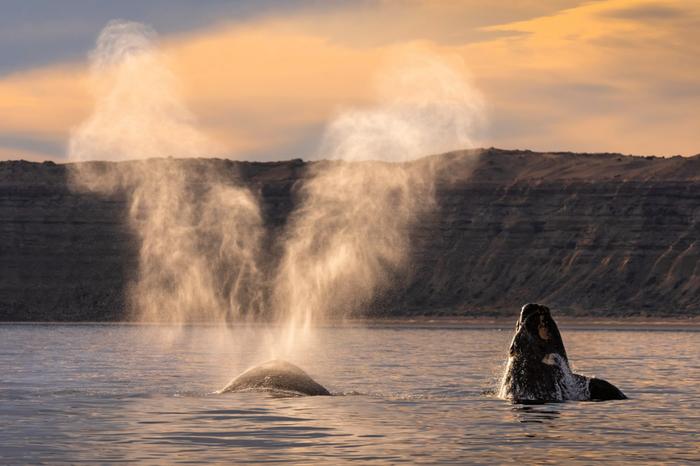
x,y
278,377
590,234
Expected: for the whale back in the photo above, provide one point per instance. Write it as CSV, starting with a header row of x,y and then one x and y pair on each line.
x,y
278,377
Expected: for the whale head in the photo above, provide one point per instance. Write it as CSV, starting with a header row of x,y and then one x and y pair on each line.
x,y
538,369
536,335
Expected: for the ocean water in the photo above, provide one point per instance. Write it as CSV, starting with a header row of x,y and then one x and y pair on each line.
x,y
406,393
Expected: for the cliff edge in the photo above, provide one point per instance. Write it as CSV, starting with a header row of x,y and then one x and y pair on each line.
x,y
588,234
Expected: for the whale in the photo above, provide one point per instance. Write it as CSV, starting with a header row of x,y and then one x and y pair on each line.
x,y
538,370
277,377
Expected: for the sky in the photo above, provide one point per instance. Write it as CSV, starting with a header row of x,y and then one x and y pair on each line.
x,y
263,78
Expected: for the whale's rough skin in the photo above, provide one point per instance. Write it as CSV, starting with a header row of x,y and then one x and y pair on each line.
x,y
276,376
538,369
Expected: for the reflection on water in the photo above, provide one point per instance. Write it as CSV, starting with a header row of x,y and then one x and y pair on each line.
x,y
111,393
535,413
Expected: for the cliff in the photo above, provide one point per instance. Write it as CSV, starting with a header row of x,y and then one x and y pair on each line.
x,y
594,234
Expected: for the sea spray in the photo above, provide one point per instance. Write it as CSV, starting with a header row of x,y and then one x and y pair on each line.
x,y
138,111
199,232
349,237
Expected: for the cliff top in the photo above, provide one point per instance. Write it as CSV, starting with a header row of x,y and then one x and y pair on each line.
x,y
492,165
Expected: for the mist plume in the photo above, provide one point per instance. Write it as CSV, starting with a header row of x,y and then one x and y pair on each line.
x,y
199,233
349,237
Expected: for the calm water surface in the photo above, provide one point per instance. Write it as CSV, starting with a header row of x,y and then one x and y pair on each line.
x,y
118,393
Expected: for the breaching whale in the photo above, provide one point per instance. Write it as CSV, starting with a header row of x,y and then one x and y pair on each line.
x,y
538,369
278,377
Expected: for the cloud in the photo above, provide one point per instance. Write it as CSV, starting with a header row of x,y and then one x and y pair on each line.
x,y
646,12
41,32
255,89
42,104
377,23
555,75
599,82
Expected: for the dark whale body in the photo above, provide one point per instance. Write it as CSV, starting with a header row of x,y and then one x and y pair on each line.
x,y
538,369
278,377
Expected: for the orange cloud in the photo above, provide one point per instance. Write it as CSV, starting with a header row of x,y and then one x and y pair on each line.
x,y
267,83
43,102
617,75
611,75
253,89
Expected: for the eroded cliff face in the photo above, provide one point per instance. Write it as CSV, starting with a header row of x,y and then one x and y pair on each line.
x,y
586,234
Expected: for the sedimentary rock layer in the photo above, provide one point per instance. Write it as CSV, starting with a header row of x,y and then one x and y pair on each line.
x,y
584,233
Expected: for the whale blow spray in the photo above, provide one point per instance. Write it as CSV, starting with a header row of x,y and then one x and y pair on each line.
x,y
349,237
199,232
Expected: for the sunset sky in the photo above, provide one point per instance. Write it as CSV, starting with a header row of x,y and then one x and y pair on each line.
x,y
264,77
